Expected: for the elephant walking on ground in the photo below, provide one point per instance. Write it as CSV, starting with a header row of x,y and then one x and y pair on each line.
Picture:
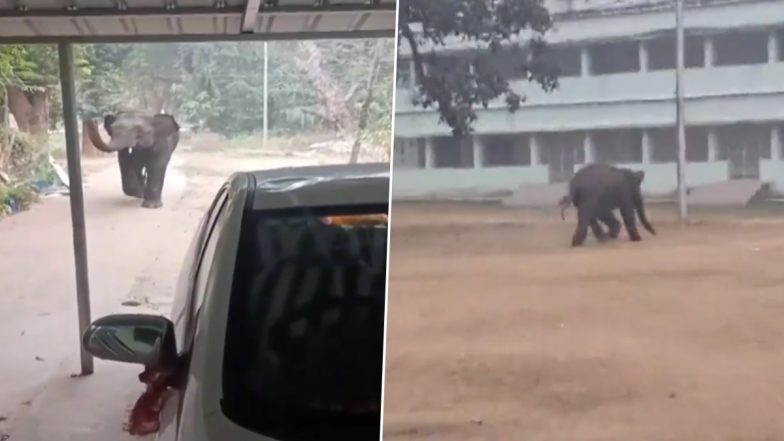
x,y
596,190
144,146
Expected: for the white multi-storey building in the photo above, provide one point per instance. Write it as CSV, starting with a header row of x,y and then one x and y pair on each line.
x,y
616,103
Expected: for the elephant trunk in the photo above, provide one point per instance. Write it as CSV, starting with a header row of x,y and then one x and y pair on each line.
x,y
638,205
95,137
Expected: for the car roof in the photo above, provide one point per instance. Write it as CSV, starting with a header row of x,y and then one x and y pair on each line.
x,y
319,186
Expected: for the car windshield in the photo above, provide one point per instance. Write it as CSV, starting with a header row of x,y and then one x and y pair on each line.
x,y
304,344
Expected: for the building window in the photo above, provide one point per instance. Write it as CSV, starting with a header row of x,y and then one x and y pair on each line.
x,y
618,146
409,153
563,147
780,38
404,72
445,65
739,48
696,144
615,57
746,138
567,59
664,144
506,150
506,62
453,152
780,146
662,54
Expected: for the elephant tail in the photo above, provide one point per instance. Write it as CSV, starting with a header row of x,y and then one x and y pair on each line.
x,y
564,204
95,137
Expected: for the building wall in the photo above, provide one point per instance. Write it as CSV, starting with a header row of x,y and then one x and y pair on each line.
x,y
733,82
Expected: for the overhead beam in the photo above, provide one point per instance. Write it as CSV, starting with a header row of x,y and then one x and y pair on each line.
x,y
76,197
249,16
195,38
185,11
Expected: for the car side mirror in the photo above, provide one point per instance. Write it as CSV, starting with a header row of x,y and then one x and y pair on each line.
x,y
132,338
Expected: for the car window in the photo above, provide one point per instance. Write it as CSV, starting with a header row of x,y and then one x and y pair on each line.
x,y
212,234
305,333
183,298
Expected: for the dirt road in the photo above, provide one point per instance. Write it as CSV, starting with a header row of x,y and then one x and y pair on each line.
x,y
498,330
133,253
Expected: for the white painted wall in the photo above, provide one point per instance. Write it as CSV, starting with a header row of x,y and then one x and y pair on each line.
x,y
469,181
742,14
660,179
721,95
773,172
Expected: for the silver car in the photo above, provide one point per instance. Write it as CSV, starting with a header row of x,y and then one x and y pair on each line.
x,y
277,328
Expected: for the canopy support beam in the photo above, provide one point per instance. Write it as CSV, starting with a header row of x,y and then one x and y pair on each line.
x,y
65,51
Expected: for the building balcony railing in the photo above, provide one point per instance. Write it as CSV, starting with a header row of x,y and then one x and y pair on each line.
x,y
750,80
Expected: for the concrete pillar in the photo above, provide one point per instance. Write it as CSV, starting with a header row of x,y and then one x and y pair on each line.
x,y
430,153
713,145
709,51
590,153
647,147
536,150
585,62
479,152
773,47
643,54
775,143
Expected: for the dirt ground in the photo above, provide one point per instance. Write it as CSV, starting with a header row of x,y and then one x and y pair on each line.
x,y
134,254
498,330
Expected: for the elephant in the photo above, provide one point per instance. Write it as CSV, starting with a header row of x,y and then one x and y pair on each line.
x,y
144,146
598,189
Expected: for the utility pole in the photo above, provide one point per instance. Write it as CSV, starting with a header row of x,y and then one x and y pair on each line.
x,y
679,68
265,129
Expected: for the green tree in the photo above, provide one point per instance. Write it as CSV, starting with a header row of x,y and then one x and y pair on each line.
x,y
32,84
152,70
104,88
455,85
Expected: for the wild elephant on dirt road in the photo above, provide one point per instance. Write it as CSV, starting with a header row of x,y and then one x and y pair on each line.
x,y
598,189
144,146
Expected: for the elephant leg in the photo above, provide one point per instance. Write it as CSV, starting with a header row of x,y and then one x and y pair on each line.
x,y
154,187
130,174
628,215
156,174
598,231
139,162
584,217
612,223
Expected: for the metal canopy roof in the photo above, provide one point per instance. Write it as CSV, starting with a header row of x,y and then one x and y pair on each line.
x,y
50,21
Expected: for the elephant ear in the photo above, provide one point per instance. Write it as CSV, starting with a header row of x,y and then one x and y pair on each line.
x,y
164,125
639,175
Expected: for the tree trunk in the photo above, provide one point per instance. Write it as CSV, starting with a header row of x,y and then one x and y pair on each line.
x,y
334,108
31,111
20,108
39,119
363,115
162,100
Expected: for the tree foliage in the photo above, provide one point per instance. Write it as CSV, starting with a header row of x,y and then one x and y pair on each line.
x,y
103,88
219,86
455,85
11,56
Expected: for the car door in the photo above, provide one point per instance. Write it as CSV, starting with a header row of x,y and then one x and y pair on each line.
x,y
188,298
